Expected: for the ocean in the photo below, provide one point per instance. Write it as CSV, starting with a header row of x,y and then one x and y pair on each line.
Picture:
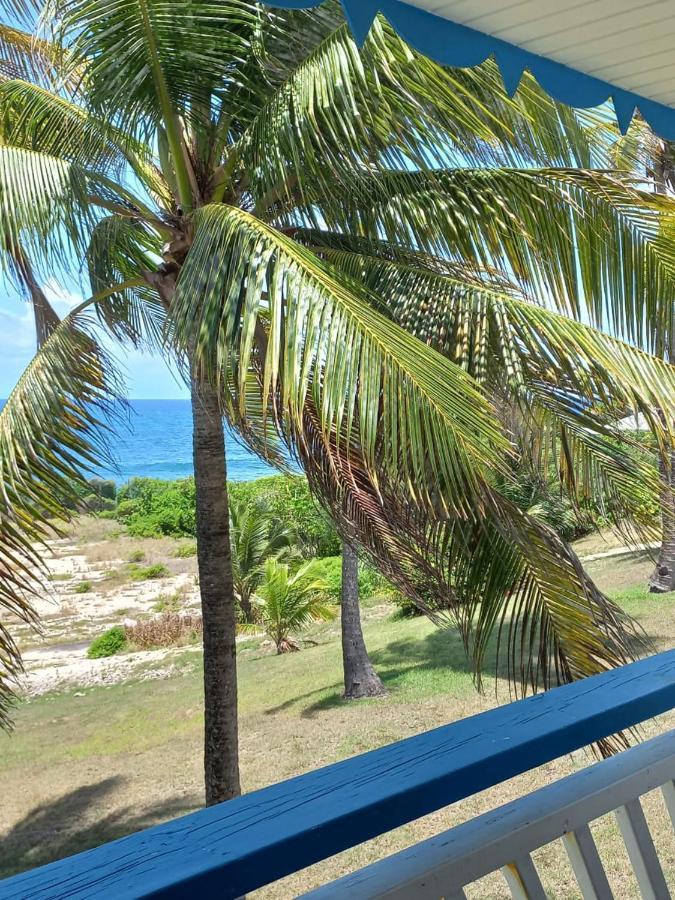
x,y
155,441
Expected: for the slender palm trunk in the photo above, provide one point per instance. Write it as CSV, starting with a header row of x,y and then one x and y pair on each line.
x,y
221,742
361,680
246,608
663,577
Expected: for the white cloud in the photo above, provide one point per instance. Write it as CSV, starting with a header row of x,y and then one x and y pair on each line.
x,y
61,298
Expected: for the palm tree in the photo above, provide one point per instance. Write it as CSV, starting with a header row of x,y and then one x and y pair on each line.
x,y
256,538
283,214
360,678
660,160
288,603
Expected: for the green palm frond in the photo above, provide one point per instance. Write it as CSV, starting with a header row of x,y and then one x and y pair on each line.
x,y
593,245
23,55
341,110
34,118
51,433
415,413
507,577
569,379
149,59
119,251
44,206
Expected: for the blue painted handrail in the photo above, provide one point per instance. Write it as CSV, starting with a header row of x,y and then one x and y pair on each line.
x,y
236,847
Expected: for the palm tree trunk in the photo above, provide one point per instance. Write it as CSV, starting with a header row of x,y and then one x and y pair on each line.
x,y
361,680
663,578
214,556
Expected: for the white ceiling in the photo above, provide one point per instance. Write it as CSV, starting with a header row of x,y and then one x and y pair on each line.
x,y
630,43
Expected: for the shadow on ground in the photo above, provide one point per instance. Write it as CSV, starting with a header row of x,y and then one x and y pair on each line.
x,y
441,650
71,823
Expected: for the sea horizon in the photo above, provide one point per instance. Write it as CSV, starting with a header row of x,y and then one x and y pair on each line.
x,y
154,440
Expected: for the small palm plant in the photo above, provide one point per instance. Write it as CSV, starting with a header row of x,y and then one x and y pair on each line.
x,y
255,538
288,603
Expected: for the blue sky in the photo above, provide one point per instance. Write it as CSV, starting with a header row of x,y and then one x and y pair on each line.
x,y
147,377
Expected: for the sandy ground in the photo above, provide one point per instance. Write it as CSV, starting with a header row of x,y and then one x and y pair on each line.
x,y
56,657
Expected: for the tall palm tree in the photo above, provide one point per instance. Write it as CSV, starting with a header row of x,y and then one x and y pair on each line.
x,y
290,217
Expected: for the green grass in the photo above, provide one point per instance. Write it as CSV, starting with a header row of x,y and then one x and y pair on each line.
x,y
83,587
92,764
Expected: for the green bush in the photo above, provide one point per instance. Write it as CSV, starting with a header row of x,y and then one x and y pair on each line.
x,y
103,487
405,608
83,587
291,504
185,551
329,569
137,556
93,503
126,509
146,573
108,644
152,508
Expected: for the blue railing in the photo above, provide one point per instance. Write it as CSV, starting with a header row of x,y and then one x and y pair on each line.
x,y
236,847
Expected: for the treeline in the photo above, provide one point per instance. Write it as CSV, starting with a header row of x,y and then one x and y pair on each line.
x,y
149,507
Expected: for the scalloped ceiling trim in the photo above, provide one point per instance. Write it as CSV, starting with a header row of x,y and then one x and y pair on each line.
x,y
458,45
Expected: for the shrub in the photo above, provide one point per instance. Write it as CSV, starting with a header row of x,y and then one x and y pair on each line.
x,y
405,608
108,644
158,507
168,602
329,569
185,551
291,505
93,503
103,487
137,556
146,573
83,587
126,509
168,630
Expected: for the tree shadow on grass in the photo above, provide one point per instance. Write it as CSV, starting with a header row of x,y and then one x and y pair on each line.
x,y
69,825
440,650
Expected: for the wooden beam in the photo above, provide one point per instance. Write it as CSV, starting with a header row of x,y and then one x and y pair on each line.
x,y
228,850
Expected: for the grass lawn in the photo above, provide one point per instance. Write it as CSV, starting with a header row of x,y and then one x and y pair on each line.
x,y
90,765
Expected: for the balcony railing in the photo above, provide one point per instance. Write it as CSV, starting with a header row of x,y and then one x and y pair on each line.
x,y
231,849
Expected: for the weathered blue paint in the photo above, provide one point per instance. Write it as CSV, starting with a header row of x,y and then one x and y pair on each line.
x,y
236,847
458,45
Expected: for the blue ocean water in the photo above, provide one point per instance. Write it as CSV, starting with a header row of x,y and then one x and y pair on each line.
x,y
155,441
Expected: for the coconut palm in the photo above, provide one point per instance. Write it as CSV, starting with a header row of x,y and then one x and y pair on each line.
x,y
255,538
287,603
292,218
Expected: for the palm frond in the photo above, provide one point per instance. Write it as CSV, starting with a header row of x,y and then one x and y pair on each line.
x,y
51,434
589,243
119,252
44,207
568,379
415,413
341,110
23,55
506,578
36,119
144,54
